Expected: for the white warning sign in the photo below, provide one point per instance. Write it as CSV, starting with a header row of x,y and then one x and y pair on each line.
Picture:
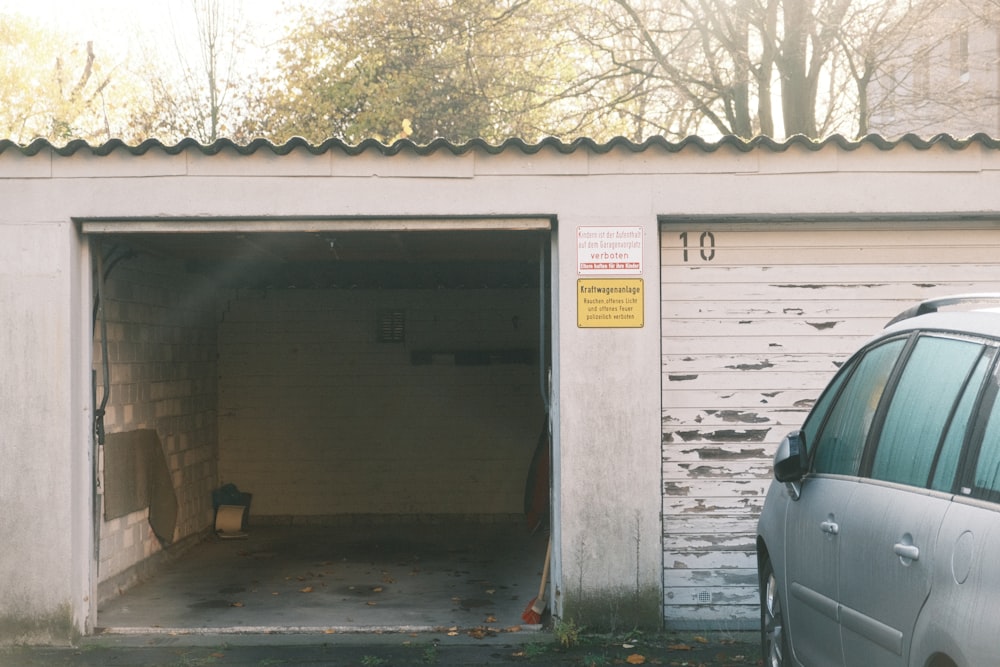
x,y
608,250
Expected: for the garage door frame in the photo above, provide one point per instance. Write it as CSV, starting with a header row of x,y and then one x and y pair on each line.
x,y
95,227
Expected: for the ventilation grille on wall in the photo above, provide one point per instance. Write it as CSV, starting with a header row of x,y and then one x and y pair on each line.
x,y
391,326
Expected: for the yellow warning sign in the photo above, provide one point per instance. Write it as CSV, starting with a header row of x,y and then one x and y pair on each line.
x,y
609,303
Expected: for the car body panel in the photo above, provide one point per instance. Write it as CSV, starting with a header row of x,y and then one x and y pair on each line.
x,y
962,616
887,552
812,575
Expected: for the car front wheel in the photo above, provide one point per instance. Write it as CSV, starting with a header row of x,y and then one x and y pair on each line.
x,y
774,644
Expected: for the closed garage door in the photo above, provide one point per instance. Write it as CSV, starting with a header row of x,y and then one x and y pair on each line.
x,y
757,316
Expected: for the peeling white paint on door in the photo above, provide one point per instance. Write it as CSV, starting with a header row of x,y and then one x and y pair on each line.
x,y
756,319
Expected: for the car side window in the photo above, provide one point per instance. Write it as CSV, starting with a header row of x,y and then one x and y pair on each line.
x,y
922,406
987,476
841,442
951,450
817,416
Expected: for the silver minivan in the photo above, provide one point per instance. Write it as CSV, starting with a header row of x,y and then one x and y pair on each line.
x,y
879,541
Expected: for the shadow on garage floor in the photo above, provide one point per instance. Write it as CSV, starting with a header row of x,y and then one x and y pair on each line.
x,y
333,579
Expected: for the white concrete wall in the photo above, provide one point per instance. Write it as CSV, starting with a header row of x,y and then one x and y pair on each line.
x,y
610,537
607,381
44,477
321,422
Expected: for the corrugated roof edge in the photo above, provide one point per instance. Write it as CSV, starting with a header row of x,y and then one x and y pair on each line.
x,y
744,145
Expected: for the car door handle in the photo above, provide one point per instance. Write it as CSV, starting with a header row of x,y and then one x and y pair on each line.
x,y
830,527
907,551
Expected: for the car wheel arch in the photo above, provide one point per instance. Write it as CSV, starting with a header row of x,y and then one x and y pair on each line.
x,y
940,660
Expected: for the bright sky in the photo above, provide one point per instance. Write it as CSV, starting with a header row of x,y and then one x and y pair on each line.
x,y
119,26
91,18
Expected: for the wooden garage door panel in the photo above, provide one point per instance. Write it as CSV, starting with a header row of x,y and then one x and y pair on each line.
x,y
783,322
754,324
859,254
802,325
823,274
848,235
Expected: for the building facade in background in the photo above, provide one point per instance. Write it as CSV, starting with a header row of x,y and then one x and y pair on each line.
x,y
944,77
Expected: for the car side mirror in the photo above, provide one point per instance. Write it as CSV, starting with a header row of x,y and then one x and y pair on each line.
x,y
790,462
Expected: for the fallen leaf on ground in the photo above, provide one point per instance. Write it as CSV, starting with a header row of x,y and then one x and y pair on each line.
x,y
513,628
636,659
679,647
480,632
235,604
371,604
491,619
701,640
307,589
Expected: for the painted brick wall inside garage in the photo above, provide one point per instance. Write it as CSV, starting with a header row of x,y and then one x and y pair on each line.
x,y
317,418
161,328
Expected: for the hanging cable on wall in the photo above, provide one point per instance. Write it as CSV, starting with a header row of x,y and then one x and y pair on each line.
x,y
99,315
106,373
102,270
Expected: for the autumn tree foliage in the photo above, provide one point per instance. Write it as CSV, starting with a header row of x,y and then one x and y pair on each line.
x,y
495,69
55,87
202,87
458,69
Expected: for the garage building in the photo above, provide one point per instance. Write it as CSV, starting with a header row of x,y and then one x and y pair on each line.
x,y
386,355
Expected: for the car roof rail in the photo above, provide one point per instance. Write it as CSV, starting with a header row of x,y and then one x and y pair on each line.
x,y
933,305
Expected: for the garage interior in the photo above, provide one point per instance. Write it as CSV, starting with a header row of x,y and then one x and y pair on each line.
x,y
365,401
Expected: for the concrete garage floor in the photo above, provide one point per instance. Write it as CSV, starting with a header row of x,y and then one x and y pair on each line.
x,y
333,579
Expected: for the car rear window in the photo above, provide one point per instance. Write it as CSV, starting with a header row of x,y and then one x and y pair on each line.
x,y
923,404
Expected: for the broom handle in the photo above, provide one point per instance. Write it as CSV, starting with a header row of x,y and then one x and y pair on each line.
x,y
545,570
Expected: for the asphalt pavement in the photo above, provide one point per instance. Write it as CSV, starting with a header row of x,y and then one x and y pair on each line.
x,y
469,648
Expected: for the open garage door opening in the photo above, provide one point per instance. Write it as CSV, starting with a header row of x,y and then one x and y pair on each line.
x,y
360,409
